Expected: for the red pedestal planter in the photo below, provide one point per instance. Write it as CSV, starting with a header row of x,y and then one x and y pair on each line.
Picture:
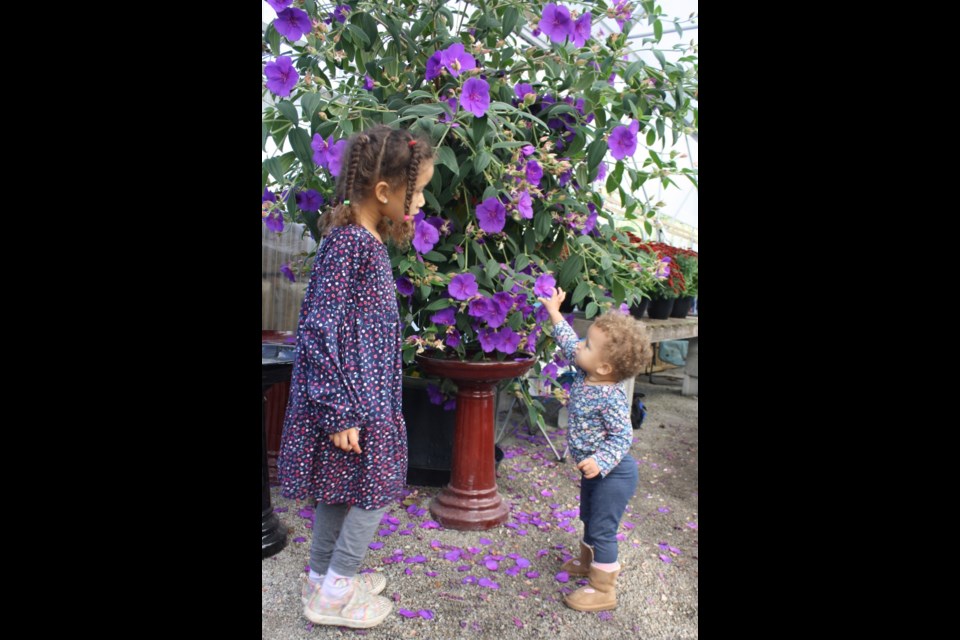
x,y
471,501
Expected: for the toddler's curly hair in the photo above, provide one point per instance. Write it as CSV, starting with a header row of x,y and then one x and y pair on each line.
x,y
628,344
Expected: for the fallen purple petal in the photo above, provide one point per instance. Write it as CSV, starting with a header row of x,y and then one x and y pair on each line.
x,y
281,510
429,524
299,539
486,541
664,509
532,574
663,546
487,582
406,613
563,576
426,614
518,623
432,574
464,567
666,558
675,550
605,615
692,525
452,556
492,565
306,513
415,559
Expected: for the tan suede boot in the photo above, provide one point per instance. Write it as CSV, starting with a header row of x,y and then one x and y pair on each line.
x,y
579,566
599,595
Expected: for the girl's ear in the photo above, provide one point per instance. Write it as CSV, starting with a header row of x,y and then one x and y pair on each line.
x,y
605,368
381,190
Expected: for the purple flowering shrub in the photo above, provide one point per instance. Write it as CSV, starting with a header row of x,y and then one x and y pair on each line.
x,y
546,125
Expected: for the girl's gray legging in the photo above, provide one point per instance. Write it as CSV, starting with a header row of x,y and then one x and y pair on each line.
x,y
341,534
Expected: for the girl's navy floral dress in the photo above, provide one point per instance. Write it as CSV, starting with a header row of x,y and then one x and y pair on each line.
x,y
347,373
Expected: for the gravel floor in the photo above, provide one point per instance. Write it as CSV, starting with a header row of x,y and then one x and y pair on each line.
x,y
503,582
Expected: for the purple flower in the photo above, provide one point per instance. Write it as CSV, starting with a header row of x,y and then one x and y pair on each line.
x,y
456,60
436,396
623,140
285,270
525,205
527,149
475,96
454,104
601,171
507,340
279,5
491,215
292,23
368,83
589,224
335,157
424,237
521,89
404,286
434,65
624,308
444,316
534,172
309,200
453,339
543,288
463,286
268,196
556,22
581,31
281,76
340,13
487,340
274,221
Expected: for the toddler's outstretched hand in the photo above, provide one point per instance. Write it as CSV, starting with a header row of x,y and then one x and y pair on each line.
x,y
552,304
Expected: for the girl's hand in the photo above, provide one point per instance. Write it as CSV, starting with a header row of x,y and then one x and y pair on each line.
x,y
588,468
552,304
348,440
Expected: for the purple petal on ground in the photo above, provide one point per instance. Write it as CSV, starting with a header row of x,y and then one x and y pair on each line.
x,y
512,525
512,571
605,615
412,509
523,563
426,614
393,520
306,513
435,543
384,532
406,613
621,537
518,622
487,582
675,550
281,510
299,539
532,574
486,541
563,576
473,550
666,558
469,580
405,532
432,574
628,525
408,571
664,509
521,532
542,552
415,559
692,525
582,582
492,565
452,556
464,567
546,493
663,546
429,524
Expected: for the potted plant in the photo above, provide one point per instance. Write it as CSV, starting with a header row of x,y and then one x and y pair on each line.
x,y
533,108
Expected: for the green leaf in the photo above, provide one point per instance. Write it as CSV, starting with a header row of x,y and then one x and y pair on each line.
x,y
346,126
559,108
510,18
648,227
492,268
434,256
605,262
482,161
580,292
613,180
618,293
448,158
656,158
478,130
311,7
571,268
592,309
300,141
423,110
358,34
542,222
552,65
509,144
632,70
521,262
432,201
288,110
582,177
310,102
659,56
676,23
651,136
658,30
264,134
442,303
595,152
273,37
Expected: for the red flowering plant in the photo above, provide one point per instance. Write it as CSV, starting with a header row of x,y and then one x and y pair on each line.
x,y
532,108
